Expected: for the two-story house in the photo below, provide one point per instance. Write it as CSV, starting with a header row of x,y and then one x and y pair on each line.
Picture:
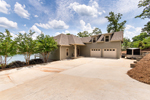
x,y
103,46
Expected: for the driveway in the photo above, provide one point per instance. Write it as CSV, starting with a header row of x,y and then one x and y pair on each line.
x,y
78,79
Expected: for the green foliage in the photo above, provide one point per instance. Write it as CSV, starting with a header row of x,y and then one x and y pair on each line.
x,y
84,34
146,10
7,47
146,42
140,37
146,28
46,44
26,45
126,43
114,25
87,34
68,33
96,31
135,44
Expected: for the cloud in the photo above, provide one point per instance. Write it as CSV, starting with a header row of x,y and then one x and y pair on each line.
x,y
36,30
37,4
131,31
20,10
85,10
24,25
22,32
85,27
67,31
100,20
36,16
5,23
54,24
4,7
62,11
125,6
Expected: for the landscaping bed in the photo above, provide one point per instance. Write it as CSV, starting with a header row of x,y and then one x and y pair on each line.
x,y
141,72
18,64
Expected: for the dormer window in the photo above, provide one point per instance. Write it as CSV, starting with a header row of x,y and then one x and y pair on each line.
x,y
94,39
106,38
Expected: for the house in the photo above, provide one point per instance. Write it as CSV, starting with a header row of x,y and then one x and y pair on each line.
x,y
103,46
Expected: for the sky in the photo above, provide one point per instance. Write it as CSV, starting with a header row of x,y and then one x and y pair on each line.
x,y
53,17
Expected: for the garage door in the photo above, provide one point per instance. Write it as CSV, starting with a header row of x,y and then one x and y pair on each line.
x,y
95,52
109,53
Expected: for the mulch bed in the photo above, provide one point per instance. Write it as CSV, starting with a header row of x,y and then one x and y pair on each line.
x,y
18,64
141,72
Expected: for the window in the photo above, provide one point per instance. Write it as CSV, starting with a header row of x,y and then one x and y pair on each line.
x,y
67,52
94,39
104,49
107,49
113,49
106,38
110,49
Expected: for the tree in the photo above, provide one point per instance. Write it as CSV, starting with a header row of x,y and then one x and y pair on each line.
x,y
7,47
126,43
26,45
146,10
68,34
140,37
146,42
96,31
46,45
84,34
146,28
114,25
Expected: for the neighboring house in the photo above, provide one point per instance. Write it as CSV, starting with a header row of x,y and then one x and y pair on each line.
x,y
103,45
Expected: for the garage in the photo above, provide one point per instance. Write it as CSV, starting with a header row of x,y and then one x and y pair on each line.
x,y
95,52
109,53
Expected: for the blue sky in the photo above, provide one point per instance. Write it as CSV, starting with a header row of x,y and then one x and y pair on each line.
x,y
53,17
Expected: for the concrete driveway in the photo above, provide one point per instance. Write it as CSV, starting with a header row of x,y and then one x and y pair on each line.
x,y
78,79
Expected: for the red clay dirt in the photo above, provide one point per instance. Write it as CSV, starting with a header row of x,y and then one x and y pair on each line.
x,y
141,72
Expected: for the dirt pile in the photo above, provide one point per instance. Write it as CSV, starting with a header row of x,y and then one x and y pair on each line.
x,y
141,72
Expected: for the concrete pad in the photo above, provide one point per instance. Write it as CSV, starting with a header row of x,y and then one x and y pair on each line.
x,y
78,79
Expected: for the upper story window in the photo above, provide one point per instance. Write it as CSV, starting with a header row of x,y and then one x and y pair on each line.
x,y
106,38
94,39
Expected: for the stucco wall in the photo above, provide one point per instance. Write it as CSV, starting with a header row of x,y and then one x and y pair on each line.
x,y
63,52
85,50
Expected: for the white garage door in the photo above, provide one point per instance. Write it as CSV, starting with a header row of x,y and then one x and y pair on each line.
x,y
95,52
109,53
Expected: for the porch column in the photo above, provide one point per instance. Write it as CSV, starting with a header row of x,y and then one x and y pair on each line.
x,y
75,51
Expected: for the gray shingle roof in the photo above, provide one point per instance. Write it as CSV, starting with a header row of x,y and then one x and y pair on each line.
x,y
101,38
63,39
117,36
86,39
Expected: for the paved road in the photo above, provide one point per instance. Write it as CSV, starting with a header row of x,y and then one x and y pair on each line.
x,y
79,79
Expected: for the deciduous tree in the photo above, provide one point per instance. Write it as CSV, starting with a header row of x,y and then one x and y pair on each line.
x,y
8,47
26,45
114,25
146,10
46,45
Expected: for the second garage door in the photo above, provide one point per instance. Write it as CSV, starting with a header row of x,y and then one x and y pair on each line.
x,y
95,52
109,53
